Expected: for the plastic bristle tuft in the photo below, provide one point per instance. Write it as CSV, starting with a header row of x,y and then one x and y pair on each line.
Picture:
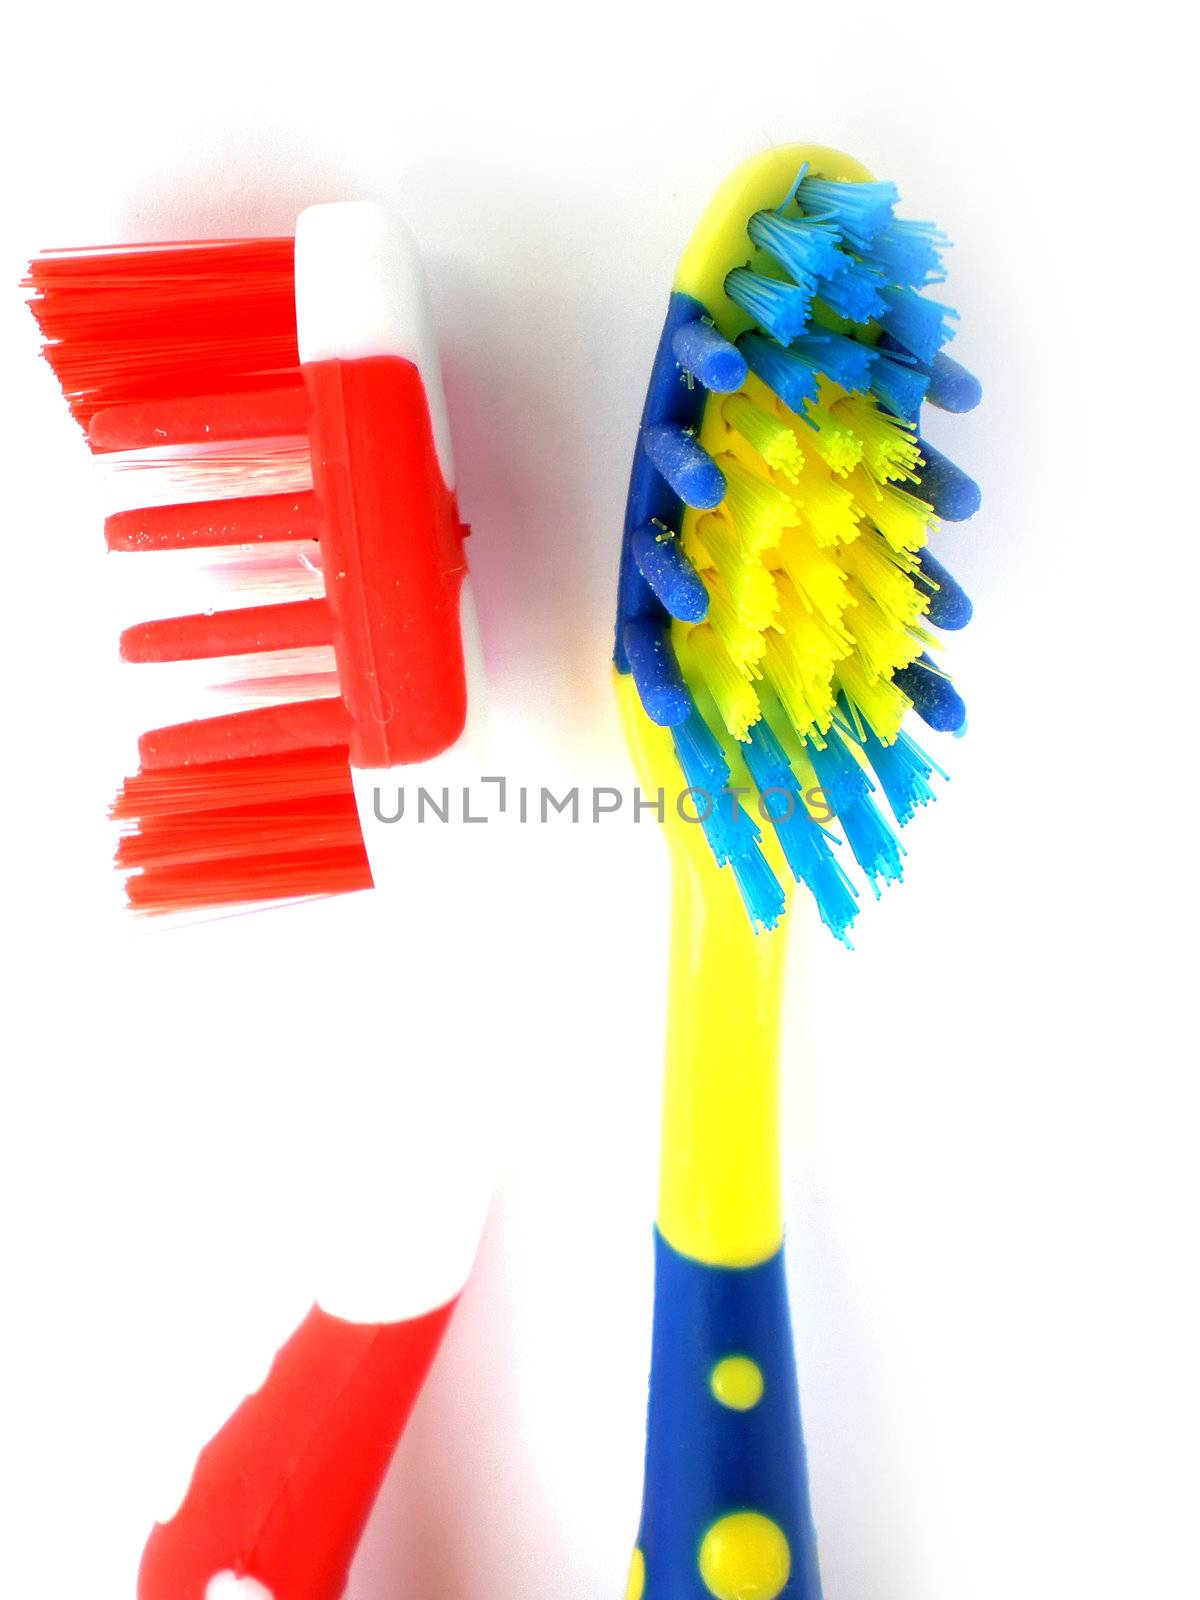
x,y
859,210
781,309
161,321
899,384
844,361
733,836
848,790
903,770
790,376
909,253
229,832
856,294
768,433
805,844
806,249
919,325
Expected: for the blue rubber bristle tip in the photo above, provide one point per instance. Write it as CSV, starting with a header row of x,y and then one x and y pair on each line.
x,y
951,386
949,605
953,495
655,670
709,356
935,699
661,561
685,465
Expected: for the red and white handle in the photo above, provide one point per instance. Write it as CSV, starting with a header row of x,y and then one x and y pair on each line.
x,y
278,1498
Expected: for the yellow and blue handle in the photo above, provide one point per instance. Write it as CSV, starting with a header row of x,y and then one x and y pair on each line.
x,y
726,1507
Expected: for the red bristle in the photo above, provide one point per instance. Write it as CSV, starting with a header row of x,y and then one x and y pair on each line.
x,y
229,633
276,413
251,519
272,828
273,730
160,321
201,886
242,832
194,346
176,791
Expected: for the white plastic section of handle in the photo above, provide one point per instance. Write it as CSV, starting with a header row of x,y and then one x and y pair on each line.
x,y
361,291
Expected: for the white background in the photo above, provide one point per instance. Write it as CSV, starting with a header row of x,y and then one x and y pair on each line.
x,y
991,1116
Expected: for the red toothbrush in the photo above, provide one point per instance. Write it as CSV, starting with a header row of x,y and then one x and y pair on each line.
x,y
284,400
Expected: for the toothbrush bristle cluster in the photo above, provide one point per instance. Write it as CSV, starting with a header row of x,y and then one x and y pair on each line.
x,y
778,603
181,364
271,414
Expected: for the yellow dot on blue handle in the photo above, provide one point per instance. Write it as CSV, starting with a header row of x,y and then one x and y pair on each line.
x,y
745,1556
737,1382
636,1583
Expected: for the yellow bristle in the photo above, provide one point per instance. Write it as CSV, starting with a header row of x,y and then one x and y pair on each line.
x,y
834,440
815,643
732,692
746,645
831,512
818,579
759,509
883,643
694,547
751,587
768,433
889,446
802,652
902,519
807,700
881,703
887,575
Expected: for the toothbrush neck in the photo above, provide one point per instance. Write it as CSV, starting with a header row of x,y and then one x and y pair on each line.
x,y
719,1196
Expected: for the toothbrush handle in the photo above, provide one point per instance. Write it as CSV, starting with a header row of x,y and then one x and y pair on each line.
x,y
279,1497
726,1504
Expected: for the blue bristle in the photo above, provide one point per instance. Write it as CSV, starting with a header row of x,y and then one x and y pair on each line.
x,y
935,699
860,210
921,326
700,349
761,891
804,842
807,250
660,684
685,464
665,567
951,386
700,754
903,770
733,835
848,790
844,360
781,308
899,385
855,294
909,253
791,377
949,606
949,490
